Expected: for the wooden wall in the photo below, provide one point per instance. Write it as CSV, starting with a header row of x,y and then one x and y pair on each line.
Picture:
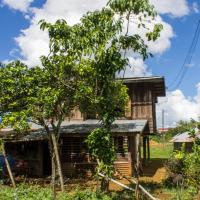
x,y
143,104
75,157
76,160
188,146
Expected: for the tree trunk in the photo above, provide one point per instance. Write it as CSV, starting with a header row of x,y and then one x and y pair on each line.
x,y
53,175
104,185
8,166
104,182
57,157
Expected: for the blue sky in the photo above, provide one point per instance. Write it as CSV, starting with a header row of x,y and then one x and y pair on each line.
x,y
20,37
12,22
172,60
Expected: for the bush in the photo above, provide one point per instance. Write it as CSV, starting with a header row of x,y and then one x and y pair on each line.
x,y
175,168
185,167
24,192
192,166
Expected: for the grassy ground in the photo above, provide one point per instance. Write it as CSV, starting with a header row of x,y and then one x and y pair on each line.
x,y
155,174
153,178
161,150
36,192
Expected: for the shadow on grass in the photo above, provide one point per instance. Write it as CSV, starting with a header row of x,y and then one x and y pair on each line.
x,y
151,166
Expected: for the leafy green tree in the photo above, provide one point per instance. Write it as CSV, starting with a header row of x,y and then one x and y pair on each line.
x,y
35,95
97,48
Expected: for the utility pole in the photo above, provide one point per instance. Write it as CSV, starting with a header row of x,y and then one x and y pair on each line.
x,y
198,123
163,118
163,125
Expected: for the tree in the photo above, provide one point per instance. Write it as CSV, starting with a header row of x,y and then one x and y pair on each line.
x,y
35,95
97,48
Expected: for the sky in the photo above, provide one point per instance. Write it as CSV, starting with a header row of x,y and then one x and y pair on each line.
x,y
21,38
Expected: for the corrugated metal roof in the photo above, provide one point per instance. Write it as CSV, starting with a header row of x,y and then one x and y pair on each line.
x,y
119,126
184,137
84,127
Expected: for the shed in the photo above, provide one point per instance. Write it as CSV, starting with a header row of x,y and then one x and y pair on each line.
x,y
184,139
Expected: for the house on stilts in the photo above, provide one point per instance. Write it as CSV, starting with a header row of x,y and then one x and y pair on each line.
x,y
31,152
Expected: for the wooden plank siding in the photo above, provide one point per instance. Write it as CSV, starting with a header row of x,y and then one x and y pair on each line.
x,y
143,102
76,160
141,105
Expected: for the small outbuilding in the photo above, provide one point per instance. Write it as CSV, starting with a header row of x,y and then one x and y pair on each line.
x,y
184,139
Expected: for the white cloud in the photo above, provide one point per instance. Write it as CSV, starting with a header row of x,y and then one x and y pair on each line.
x,y
137,68
195,7
71,10
175,8
21,5
163,42
33,42
178,107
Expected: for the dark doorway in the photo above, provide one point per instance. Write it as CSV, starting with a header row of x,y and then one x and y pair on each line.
x,y
46,160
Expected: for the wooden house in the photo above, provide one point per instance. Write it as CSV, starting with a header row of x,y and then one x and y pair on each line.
x,y
184,139
139,121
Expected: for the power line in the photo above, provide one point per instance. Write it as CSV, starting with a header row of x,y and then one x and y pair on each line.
x,y
187,61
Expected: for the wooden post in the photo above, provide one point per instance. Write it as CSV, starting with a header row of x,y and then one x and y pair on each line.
x,y
148,149
144,150
137,165
8,166
132,150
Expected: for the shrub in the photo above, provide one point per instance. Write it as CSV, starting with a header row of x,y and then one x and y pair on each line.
x,y
192,166
35,192
24,192
185,167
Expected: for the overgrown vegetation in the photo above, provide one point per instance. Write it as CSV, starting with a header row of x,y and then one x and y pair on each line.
x,y
35,192
184,169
